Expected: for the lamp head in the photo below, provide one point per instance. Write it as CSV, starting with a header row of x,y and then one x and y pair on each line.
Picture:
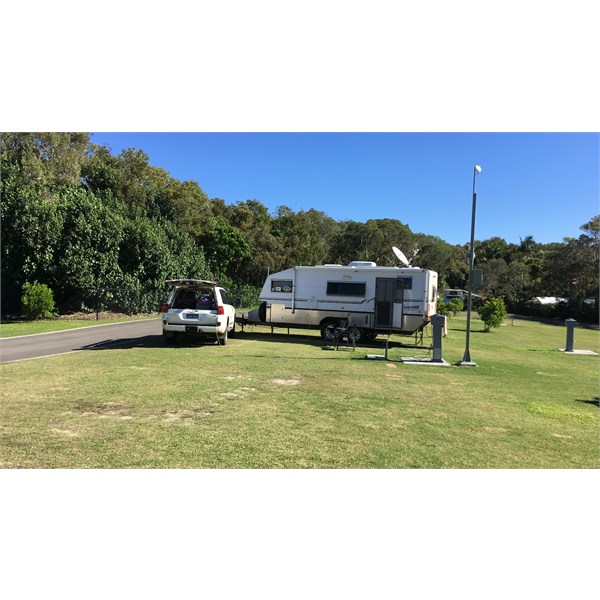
x,y
477,169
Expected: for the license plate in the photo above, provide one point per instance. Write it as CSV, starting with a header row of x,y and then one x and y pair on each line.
x,y
191,329
191,316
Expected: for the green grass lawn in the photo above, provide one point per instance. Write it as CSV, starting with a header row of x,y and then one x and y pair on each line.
x,y
47,325
279,401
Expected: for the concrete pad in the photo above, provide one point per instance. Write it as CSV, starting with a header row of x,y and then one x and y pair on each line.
x,y
585,352
409,360
467,363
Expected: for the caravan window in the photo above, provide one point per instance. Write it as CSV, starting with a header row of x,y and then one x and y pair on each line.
x,y
281,285
346,288
402,283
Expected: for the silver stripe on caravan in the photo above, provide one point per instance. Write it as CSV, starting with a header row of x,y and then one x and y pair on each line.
x,y
294,290
348,302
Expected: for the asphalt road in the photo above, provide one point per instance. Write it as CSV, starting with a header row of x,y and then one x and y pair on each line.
x,y
73,340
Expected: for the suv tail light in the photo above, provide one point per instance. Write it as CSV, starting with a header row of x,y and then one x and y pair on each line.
x,y
165,308
220,310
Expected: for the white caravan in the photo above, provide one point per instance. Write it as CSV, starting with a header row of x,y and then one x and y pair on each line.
x,y
370,298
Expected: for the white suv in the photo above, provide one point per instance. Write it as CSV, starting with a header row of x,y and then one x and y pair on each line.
x,y
197,307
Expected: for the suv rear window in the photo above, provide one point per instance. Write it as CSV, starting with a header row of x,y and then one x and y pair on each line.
x,y
195,298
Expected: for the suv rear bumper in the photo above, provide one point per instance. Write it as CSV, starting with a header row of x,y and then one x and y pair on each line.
x,y
199,329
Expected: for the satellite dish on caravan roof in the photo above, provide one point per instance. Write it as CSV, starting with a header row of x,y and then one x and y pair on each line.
x,y
400,256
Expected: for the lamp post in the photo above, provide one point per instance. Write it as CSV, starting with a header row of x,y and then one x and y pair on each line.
x,y
466,361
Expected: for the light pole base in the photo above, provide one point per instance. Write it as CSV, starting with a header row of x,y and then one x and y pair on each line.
x,y
467,363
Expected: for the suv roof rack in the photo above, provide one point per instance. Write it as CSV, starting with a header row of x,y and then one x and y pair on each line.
x,y
190,282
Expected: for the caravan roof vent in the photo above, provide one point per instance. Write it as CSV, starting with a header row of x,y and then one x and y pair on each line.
x,y
362,263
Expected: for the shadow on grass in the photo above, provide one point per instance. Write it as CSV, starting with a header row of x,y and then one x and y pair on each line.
x,y
595,401
157,341
542,349
147,341
296,338
555,322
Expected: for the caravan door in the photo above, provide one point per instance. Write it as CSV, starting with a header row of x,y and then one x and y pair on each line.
x,y
389,295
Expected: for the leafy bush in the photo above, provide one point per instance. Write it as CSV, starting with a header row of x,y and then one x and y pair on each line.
x,y
443,309
245,296
37,301
455,305
492,312
450,309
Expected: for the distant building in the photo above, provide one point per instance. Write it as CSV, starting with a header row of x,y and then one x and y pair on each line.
x,y
544,300
449,295
462,295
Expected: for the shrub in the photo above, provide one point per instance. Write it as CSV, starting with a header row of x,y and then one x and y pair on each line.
x,y
455,305
492,313
449,309
245,296
443,309
37,301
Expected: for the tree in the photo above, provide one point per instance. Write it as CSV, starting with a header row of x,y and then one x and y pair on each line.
x,y
494,248
43,160
31,222
155,250
146,189
351,243
267,251
87,253
571,270
526,245
307,235
592,229
450,262
492,313
591,238
225,248
80,223
372,240
505,279
385,233
531,254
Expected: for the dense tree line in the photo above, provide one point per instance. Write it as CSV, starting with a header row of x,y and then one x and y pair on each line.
x,y
568,270
79,218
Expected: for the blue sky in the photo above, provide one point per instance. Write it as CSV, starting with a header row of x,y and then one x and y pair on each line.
x,y
540,184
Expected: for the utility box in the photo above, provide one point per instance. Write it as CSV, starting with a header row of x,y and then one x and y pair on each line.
x,y
570,323
477,276
438,322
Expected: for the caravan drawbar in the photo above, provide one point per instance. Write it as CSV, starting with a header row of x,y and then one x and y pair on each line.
x,y
372,299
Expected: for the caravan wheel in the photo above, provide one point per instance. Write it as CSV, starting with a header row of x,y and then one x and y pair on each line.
x,y
357,335
328,331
